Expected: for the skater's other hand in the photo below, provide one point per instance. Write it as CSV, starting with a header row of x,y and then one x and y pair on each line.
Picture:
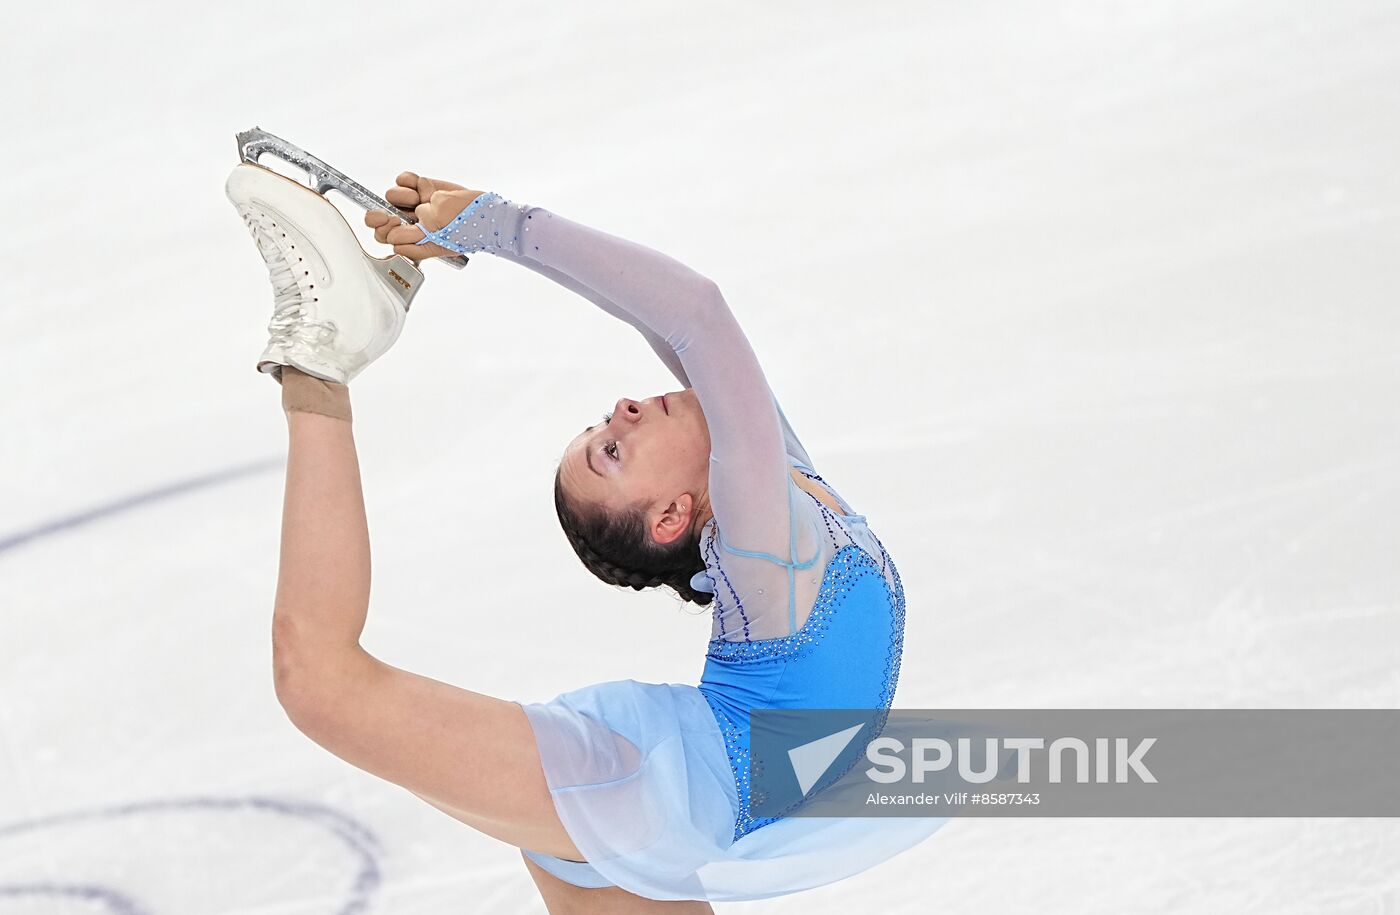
x,y
434,202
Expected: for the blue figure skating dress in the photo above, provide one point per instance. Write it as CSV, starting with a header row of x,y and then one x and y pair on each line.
x,y
650,780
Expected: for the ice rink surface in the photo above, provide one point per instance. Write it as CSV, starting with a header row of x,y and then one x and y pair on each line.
x,y
1093,309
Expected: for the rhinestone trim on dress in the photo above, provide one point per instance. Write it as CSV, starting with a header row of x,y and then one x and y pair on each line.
x,y
849,564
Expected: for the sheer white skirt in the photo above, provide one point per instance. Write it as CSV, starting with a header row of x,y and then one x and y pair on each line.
x,y
643,785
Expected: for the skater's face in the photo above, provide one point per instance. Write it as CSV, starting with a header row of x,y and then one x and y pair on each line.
x,y
652,452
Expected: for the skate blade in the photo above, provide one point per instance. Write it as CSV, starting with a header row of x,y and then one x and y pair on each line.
x,y
323,178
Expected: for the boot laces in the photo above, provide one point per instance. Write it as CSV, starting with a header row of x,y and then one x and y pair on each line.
x,y
289,322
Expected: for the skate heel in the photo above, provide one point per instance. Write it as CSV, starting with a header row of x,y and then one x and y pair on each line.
x,y
399,275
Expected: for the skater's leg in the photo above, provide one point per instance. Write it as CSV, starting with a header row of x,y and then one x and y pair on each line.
x,y
562,898
472,755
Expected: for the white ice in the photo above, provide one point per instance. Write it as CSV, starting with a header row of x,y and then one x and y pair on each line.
x,y
1093,309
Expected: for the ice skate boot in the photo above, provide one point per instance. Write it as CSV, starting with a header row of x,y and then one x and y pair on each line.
x,y
335,308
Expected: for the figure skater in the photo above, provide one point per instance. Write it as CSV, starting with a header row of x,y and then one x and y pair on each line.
x,y
623,796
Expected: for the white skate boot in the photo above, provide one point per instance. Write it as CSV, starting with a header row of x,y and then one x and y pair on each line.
x,y
335,308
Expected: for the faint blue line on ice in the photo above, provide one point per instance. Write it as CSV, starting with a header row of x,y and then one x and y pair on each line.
x,y
111,900
355,835
10,541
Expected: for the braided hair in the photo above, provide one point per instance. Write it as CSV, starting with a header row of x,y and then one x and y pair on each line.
x,y
616,548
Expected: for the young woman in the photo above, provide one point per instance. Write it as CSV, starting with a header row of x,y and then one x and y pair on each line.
x,y
621,795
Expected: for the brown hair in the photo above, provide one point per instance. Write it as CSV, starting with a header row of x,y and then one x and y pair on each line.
x,y
616,548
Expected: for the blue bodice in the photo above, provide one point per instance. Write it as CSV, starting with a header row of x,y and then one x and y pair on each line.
x,y
846,655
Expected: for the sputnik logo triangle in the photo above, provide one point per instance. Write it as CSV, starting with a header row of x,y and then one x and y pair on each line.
x,y
811,760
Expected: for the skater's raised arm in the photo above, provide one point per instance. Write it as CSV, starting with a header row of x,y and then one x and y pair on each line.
x,y
658,345
411,193
668,301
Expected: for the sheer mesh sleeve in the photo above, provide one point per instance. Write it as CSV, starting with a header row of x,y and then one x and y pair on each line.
x,y
658,345
687,321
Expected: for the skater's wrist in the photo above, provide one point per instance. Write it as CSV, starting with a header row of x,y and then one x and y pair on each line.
x,y
308,394
489,223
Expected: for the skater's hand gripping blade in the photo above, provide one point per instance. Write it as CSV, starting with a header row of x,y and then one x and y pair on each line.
x,y
336,308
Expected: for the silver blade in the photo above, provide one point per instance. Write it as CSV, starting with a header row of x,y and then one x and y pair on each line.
x,y
322,178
